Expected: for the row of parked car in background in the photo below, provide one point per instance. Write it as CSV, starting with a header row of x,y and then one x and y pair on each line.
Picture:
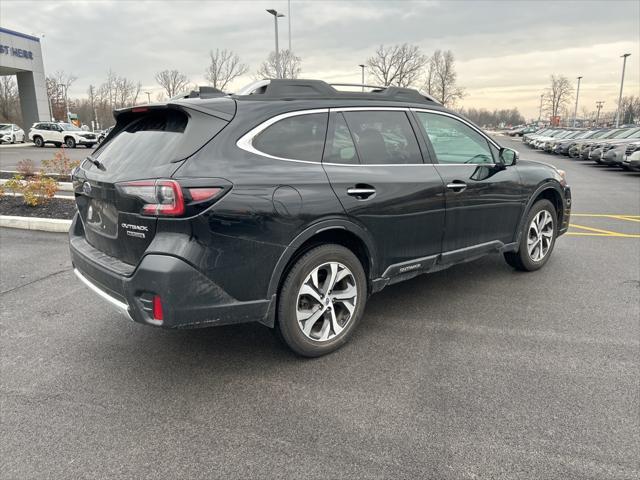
x,y
616,147
56,133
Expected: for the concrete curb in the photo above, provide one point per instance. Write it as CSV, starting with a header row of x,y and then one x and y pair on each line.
x,y
35,223
62,186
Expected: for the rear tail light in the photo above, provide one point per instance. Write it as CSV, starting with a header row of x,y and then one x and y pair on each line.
x,y
202,194
168,198
161,197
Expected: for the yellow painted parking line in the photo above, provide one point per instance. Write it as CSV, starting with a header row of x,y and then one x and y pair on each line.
x,y
621,216
628,218
585,234
603,233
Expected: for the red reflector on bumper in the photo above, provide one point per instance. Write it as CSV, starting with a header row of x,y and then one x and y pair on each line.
x,y
157,308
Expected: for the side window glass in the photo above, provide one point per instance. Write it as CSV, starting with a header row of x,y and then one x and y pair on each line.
x,y
383,137
341,148
44,126
454,141
296,138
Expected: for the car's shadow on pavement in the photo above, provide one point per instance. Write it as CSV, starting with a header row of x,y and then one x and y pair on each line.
x,y
410,305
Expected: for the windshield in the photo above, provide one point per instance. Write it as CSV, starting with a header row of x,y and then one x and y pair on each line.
x,y
5,127
588,134
68,127
601,134
626,133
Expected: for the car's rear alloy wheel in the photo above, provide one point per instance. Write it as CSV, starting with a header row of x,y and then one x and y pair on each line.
x,y
321,300
537,239
326,301
38,142
70,142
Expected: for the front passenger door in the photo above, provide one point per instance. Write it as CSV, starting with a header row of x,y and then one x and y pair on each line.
x,y
484,198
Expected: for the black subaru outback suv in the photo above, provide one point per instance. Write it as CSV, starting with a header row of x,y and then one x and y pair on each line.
x,y
291,202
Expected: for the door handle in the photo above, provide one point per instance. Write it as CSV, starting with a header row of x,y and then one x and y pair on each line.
x,y
361,192
457,186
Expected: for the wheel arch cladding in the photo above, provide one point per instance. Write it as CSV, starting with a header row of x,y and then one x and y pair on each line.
x,y
336,234
550,193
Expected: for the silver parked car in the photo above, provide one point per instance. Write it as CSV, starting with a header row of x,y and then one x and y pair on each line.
x,y
11,133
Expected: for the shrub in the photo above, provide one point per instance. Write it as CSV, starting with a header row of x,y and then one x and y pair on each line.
x,y
2,192
60,164
26,168
14,184
36,190
39,190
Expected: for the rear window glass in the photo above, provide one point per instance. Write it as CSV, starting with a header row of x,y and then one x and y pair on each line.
x,y
147,141
297,138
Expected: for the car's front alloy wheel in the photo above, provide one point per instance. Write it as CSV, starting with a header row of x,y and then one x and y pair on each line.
x,y
537,239
540,235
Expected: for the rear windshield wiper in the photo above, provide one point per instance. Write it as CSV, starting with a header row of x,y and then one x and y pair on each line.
x,y
96,162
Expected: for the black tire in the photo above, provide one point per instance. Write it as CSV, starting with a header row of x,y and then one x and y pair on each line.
x,y
521,260
38,141
290,330
70,142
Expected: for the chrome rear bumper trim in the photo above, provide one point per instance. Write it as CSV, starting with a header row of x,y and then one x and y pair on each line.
x,y
121,306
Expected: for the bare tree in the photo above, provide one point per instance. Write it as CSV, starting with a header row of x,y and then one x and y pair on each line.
x,y
399,65
558,95
441,78
629,109
172,81
290,66
9,102
224,68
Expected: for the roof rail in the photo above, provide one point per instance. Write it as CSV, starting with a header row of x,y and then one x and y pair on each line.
x,y
287,88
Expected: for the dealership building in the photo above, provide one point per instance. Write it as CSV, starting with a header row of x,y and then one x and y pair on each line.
x,y
21,55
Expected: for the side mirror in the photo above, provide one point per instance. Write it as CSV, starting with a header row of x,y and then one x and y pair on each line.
x,y
508,156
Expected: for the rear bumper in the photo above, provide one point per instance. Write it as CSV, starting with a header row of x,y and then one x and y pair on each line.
x,y
189,299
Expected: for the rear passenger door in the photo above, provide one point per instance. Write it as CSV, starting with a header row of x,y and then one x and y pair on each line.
x,y
484,198
376,168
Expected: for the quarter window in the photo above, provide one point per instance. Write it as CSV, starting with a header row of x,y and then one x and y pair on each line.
x,y
297,138
383,137
454,141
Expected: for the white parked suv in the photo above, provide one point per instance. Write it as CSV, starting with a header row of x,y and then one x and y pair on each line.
x,y
60,133
11,133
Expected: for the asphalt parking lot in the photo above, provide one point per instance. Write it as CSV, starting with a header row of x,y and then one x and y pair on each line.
x,y
473,372
10,155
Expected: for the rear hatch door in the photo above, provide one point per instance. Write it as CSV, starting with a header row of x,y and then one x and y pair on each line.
x,y
146,144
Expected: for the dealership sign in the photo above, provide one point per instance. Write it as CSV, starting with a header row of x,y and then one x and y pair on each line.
x,y
16,52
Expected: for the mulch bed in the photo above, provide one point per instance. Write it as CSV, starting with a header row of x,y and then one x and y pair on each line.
x,y
54,208
58,178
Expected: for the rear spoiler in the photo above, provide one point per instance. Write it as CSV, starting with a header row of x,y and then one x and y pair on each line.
x,y
223,107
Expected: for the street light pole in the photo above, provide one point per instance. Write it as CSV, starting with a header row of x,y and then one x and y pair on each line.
x,y
148,97
599,105
362,67
575,111
289,20
624,64
276,15
540,114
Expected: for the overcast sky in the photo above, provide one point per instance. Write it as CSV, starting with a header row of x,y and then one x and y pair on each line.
x,y
505,50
